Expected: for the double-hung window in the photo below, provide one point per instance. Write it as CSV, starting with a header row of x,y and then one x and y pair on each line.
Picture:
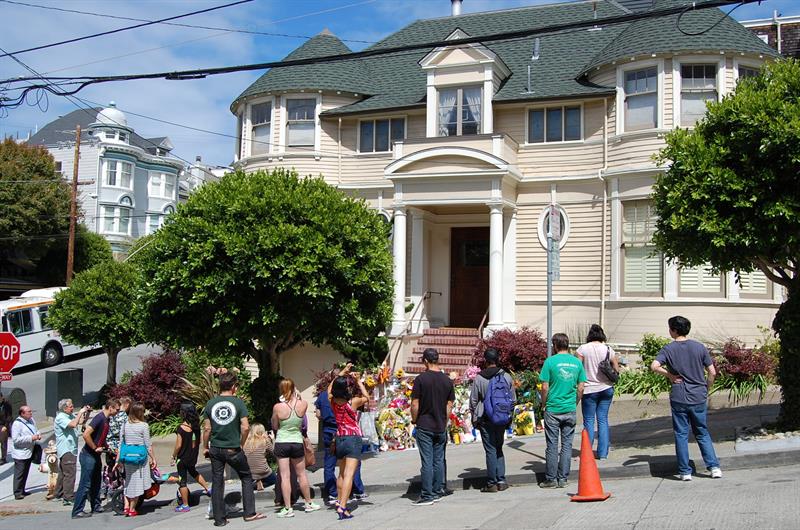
x,y
162,185
153,222
261,122
554,124
117,219
118,174
375,136
641,99
301,114
698,86
642,264
460,111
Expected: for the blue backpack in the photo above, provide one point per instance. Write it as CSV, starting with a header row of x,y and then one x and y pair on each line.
x,y
498,407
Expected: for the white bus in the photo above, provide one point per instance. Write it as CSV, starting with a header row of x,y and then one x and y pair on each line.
x,y
26,317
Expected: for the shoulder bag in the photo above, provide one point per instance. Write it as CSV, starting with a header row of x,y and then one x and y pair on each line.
x,y
607,369
133,454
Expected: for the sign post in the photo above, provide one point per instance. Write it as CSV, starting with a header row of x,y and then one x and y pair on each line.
x,y
553,267
9,355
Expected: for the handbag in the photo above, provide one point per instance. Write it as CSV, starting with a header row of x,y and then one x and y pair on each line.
x,y
607,369
308,449
131,453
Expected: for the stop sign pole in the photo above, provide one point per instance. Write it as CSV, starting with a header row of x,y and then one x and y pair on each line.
x,y
9,355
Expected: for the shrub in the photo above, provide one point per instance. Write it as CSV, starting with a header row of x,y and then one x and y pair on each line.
x,y
367,354
196,362
166,426
743,370
649,347
155,384
642,383
520,349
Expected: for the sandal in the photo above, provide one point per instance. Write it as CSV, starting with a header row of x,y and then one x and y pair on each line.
x,y
131,513
343,513
255,517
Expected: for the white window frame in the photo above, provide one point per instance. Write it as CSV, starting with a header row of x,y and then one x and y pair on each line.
x,y
623,248
744,63
391,142
554,105
247,118
284,121
677,62
117,173
459,92
115,215
159,218
620,106
161,192
719,293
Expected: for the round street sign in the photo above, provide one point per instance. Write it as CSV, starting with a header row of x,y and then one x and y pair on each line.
x,y
9,352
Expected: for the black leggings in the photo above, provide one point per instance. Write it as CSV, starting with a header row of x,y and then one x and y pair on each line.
x,y
184,470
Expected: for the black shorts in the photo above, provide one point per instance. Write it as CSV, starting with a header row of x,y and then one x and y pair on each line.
x,y
289,450
185,469
348,447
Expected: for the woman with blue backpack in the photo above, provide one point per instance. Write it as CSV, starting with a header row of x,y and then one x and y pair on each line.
x,y
491,403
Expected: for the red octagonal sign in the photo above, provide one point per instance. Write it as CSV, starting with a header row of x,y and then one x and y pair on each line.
x,y
9,352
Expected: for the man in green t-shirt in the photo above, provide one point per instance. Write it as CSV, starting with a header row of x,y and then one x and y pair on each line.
x,y
225,430
562,379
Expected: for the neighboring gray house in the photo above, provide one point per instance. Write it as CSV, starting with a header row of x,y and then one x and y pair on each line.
x,y
127,184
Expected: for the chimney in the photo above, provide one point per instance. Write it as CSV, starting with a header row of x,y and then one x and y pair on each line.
x,y
455,6
198,159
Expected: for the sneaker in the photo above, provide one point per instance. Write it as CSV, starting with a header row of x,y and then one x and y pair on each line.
x,y
445,493
312,507
489,489
562,483
548,484
423,502
502,486
360,496
332,502
286,513
716,472
686,478
66,503
182,508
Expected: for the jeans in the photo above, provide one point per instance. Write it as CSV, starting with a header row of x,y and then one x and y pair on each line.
x,y
21,469
593,406
493,437
684,416
330,471
431,453
557,466
89,484
65,483
238,461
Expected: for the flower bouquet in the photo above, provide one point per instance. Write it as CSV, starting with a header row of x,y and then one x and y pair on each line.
x,y
524,419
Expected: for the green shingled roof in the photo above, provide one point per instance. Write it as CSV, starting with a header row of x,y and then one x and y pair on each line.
x,y
397,81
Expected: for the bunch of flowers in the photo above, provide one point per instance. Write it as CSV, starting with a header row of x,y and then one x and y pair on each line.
x,y
524,418
471,373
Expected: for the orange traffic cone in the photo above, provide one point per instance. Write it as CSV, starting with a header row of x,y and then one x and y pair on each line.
x,y
589,486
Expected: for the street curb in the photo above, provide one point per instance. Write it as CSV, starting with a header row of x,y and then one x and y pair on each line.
x,y
658,466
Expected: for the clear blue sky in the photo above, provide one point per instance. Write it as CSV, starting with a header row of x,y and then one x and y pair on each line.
x,y
202,103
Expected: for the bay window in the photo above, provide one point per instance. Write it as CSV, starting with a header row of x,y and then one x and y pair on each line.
x,y
379,135
641,99
698,86
118,174
460,111
162,185
301,115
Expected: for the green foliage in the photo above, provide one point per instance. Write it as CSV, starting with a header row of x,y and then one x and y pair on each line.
x,y
199,389
90,249
768,343
365,354
126,376
642,383
165,427
97,309
196,362
270,257
741,389
649,347
34,201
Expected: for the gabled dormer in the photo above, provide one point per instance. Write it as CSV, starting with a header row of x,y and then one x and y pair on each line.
x,y
461,82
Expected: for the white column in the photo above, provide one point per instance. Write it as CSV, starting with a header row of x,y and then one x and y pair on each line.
x,y
510,269
732,287
418,278
399,240
671,279
495,266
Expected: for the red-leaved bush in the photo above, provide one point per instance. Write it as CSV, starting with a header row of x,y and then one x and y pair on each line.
x,y
743,363
520,349
155,384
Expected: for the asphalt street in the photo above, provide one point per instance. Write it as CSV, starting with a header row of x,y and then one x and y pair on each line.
x,y
757,498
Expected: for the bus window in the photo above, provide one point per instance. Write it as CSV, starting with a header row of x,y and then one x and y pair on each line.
x,y
4,324
43,317
20,322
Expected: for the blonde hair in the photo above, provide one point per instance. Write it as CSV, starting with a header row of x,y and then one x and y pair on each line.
x,y
257,434
286,388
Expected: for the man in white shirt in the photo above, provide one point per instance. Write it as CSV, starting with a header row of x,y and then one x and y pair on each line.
x,y
24,435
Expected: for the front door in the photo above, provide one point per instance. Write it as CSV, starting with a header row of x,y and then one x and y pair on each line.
x,y
469,276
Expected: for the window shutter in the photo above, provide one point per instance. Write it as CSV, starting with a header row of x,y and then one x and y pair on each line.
x,y
753,283
700,280
642,270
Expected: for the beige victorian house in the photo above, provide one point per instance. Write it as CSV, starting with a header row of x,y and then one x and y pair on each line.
x,y
464,148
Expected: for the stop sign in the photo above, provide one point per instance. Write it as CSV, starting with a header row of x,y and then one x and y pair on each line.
x,y
9,351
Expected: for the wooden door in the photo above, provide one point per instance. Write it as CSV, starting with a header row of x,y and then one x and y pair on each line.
x,y
469,276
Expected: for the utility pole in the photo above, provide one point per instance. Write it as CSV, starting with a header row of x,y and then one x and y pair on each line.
x,y
73,207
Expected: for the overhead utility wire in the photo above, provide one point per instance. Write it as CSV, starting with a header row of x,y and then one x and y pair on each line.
x,y
194,26
374,52
119,30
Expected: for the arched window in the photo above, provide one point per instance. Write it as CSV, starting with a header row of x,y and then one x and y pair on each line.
x,y
126,201
169,210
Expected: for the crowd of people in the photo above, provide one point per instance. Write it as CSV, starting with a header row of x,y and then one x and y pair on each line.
x,y
120,433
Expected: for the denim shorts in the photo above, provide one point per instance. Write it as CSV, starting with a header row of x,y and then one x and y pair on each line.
x,y
348,447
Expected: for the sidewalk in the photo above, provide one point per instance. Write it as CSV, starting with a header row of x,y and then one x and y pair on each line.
x,y
639,448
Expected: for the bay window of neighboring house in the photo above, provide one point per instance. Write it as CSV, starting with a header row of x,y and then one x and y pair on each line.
x,y
700,282
261,123
118,174
642,265
162,185
300,124
641,98
117,219
375,136
555,124
698,86
460,111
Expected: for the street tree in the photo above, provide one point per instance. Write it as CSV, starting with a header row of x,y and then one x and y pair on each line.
x,y
730,197
261,262
90,249
34,201
98,308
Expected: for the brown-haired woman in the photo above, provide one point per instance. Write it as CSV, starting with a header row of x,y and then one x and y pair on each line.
x,y
137,476
287,421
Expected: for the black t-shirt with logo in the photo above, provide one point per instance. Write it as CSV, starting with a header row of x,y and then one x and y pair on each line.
x,y
433,390
226,413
